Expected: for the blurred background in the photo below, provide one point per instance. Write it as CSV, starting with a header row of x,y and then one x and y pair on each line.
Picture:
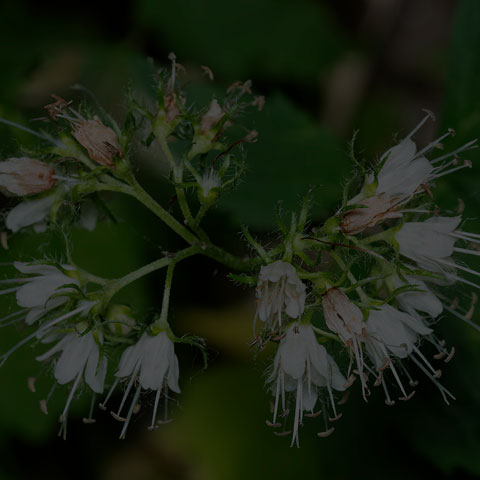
x,y
326,68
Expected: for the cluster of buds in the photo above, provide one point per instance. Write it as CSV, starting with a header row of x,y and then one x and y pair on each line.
x,y
357,297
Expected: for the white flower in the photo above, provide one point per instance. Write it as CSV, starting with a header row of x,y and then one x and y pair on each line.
x,y
26,176
209,181
343,317
80,358
389,333
153,363
404,172
431,243
31,212
279,290
302,365
37,289
422,300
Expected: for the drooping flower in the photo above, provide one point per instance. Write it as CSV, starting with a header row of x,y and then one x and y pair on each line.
x,y
41,291
431,244
279,291
303,366
344,318
80,359
153,364
391,333
26,176
404,172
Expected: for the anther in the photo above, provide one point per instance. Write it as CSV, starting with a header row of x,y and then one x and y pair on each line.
x,y
117,417
408,397
439,356
338,417
389,402
344,398
326,433
88,421
350,381
450,355
31,384
282,434
273,425
437,374
313,415
43,406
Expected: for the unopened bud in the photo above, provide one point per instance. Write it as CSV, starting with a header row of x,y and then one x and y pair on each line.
x,y
100,141
120,320
26,176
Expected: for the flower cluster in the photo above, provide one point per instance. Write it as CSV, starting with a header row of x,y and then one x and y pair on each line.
x,y
354,300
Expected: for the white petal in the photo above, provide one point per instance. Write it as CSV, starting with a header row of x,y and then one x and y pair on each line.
x,y
28,213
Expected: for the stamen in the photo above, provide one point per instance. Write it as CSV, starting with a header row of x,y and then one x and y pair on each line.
x,y
20,313
459,266
296,420
155,407
125,395
468,146
130,411
467,251
420,125
282,434
314,415
442,389
9,290
433,144
462,317
90,418
103,405
42,329
64,415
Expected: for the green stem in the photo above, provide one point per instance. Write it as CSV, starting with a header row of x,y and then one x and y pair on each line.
x,y
162,322
326,334
117,284
363,296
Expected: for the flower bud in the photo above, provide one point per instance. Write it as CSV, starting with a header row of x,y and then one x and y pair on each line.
x,y
26,176
375,209
212,117
100,141
120,320
341,315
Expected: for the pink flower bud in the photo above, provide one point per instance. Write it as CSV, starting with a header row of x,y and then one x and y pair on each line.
x,y
100,141
212,117
376,209
26,176
341,315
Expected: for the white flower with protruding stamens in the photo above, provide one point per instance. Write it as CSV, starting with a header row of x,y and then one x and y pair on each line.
x,y
404,172
153,364
302,366
80,359
279,290
344,318
391,333
26,176
431,244
41,290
